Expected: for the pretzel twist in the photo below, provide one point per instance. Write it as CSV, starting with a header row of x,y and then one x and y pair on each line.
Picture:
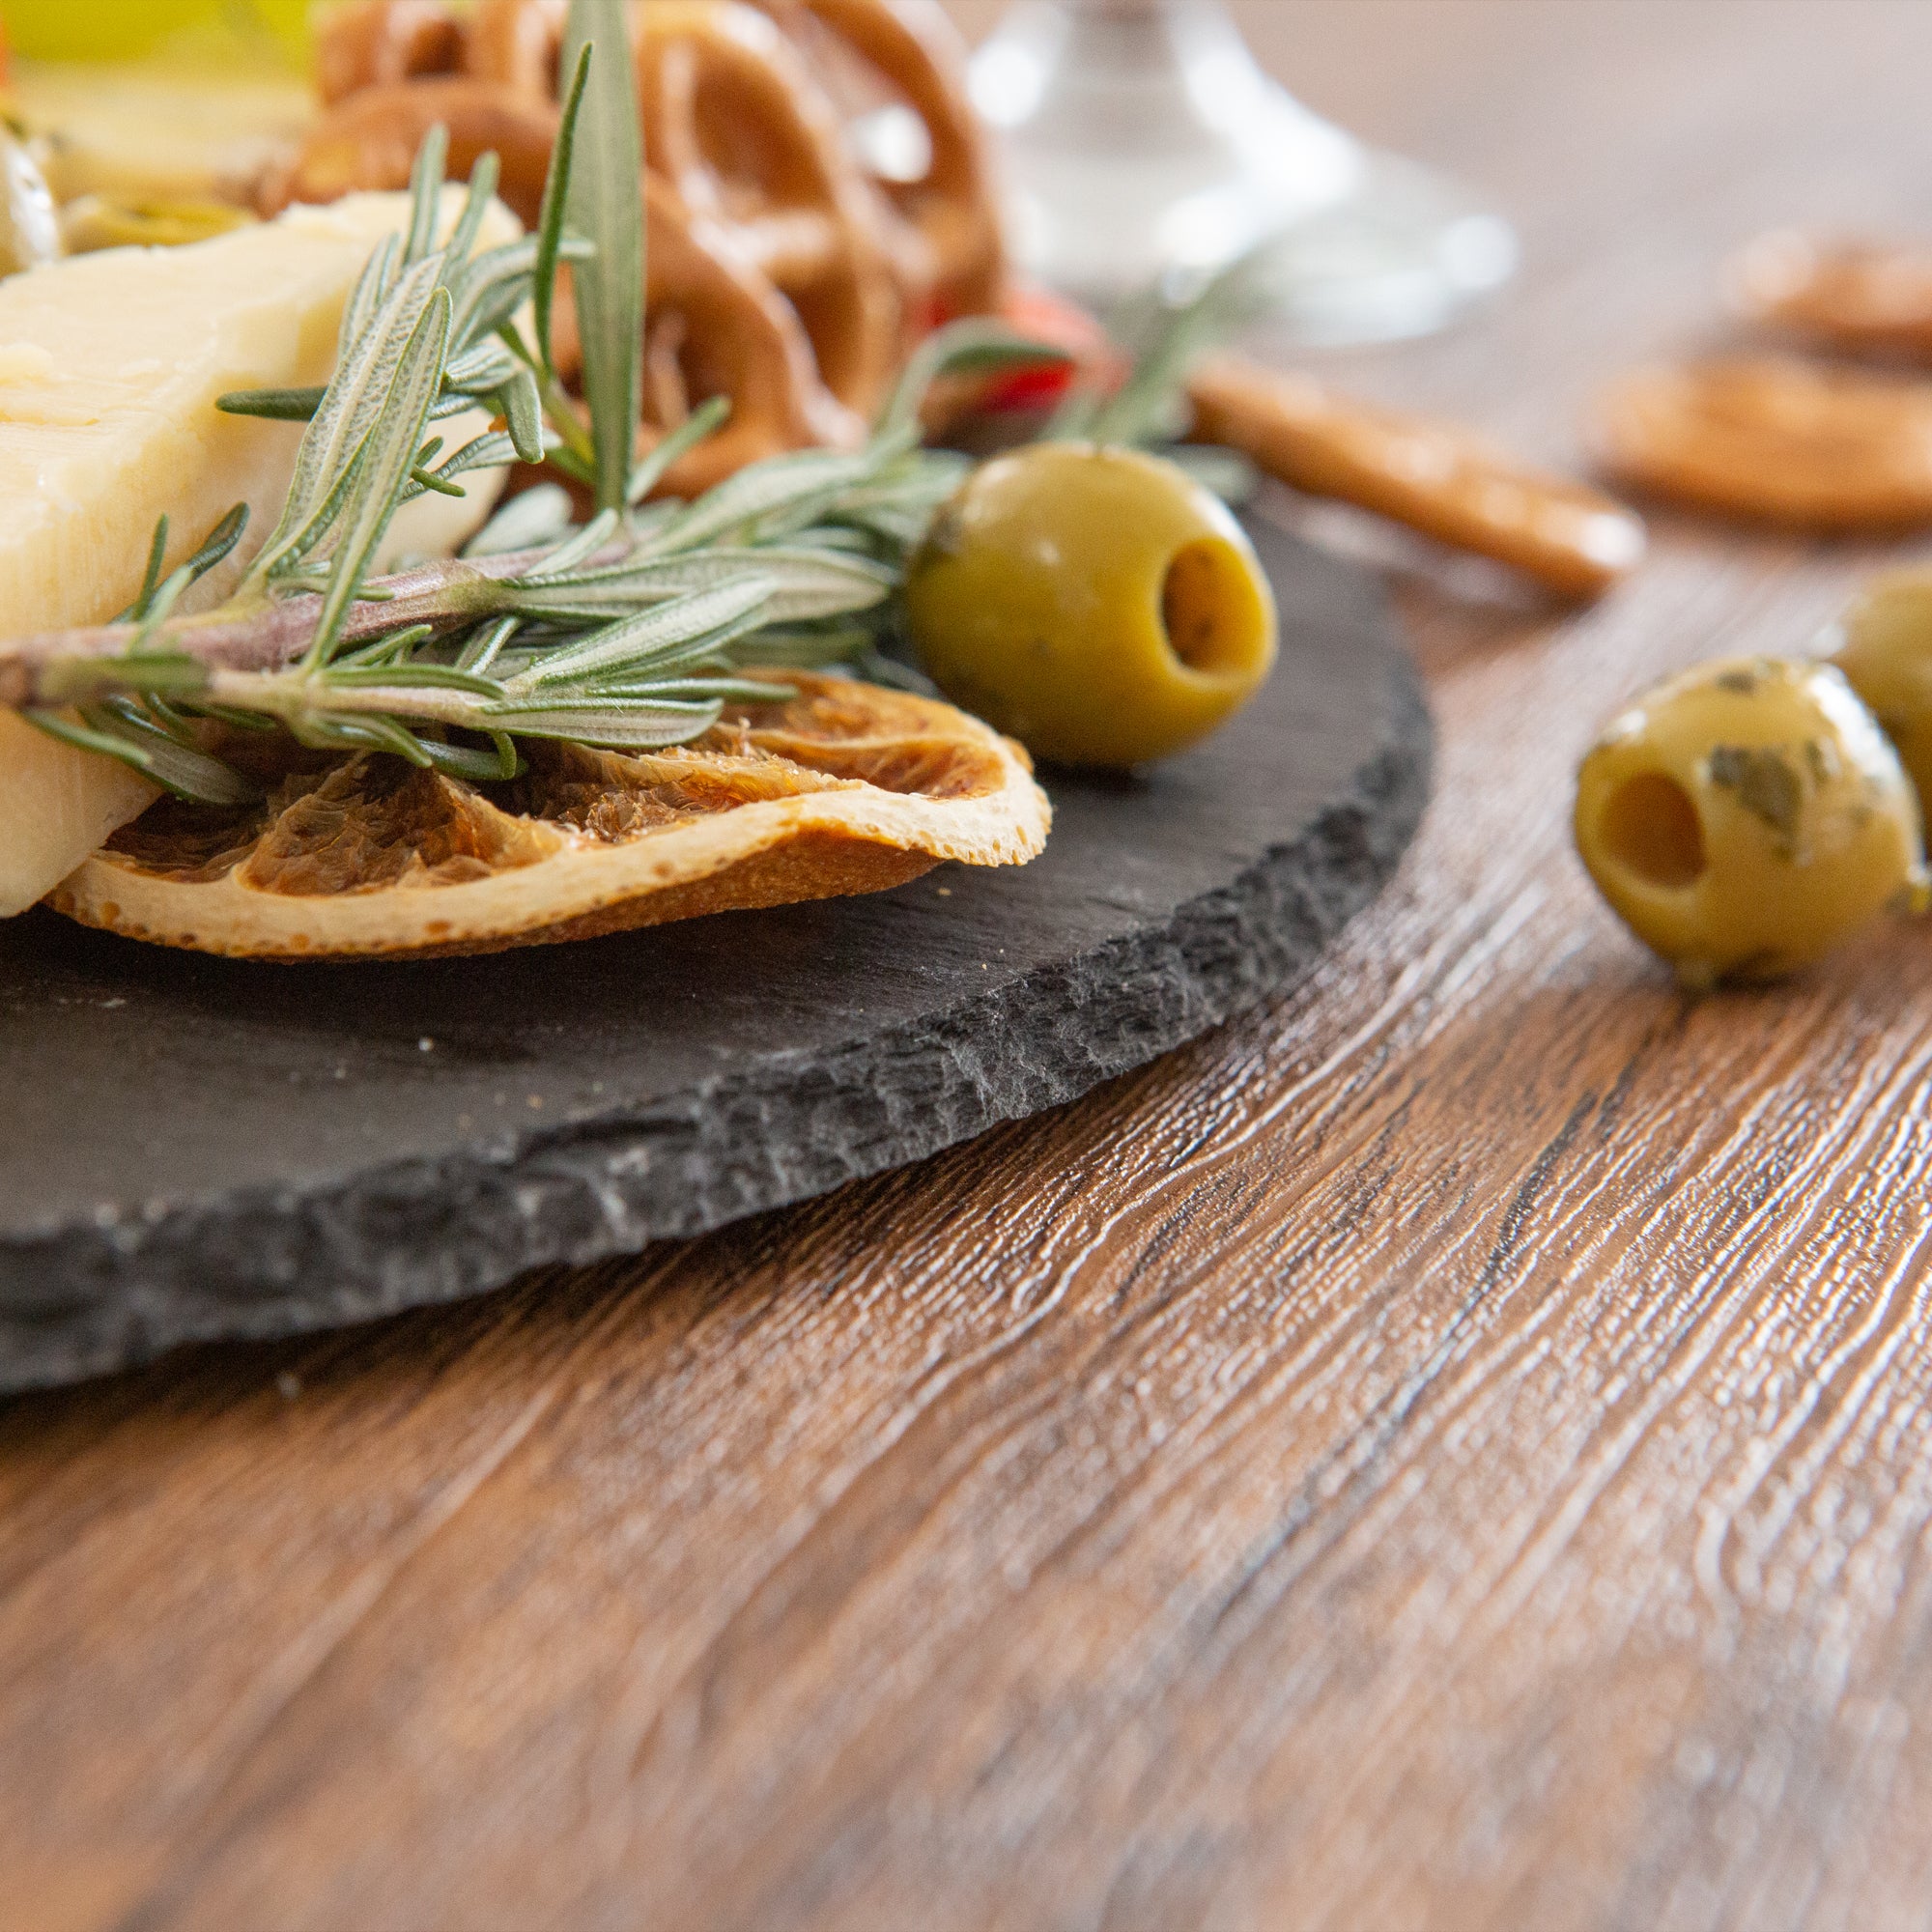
x,y
947,221
369,141
379,43
735,124
717,326
781,274
518,44
1435,476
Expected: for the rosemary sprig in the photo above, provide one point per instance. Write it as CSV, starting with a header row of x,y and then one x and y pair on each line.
x,y
632,631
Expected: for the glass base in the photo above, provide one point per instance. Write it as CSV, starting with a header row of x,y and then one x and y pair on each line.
x,y
1144,147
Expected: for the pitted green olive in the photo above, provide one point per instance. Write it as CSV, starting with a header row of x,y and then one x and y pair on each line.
x,y
1096,603
1884,651
29,228
1747,816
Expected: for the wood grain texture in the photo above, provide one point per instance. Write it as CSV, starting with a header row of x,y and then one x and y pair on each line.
x,y
1452,1451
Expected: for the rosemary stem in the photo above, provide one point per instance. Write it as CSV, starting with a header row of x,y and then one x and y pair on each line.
x,y
258,634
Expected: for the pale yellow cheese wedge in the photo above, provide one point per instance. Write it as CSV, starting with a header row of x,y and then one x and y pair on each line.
x,y
56,805
109,368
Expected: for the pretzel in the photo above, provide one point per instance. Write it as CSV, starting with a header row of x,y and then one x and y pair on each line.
x,y
1434,476
1857,296
379,43
1778,441
734,119
947,229
780,272
718,327
735,122
518,44
370,141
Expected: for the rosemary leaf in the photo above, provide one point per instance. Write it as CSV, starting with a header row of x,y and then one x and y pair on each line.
x,y
604,202
371,733
485,647
636,640
483,179
707,416
585,544
803,584
523,412
974,344
781,484
151,578
389,457
622,724
385,650
407,676
725,690
463,761
482,370
219,543
366,299
549,220
485,452
190,775
273,405
536,518
426,178
354,398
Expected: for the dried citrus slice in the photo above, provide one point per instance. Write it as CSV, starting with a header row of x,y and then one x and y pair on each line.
x,y
1779,440
840,788
1854,296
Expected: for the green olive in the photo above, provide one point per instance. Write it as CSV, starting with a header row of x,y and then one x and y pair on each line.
x,y
95,222
1096,603
1884,650
29,228
1747,816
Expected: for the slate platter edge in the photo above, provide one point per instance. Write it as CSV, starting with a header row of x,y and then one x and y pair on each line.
x,y
264,1263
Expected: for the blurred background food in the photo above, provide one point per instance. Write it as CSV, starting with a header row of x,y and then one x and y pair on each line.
x,y
120,30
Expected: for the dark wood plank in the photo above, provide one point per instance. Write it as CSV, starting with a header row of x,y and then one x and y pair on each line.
x,y
1451,1450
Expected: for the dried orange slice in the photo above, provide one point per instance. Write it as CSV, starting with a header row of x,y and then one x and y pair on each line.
x,y
1856,295
841,788
1783,441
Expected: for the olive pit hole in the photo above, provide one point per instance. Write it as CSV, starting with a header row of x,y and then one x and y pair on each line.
x,y
1651,828
1206,607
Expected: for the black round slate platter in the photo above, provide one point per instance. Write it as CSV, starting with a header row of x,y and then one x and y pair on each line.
x,y
195,1147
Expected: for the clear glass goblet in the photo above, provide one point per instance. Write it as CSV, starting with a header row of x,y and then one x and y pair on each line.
x,y
1145,144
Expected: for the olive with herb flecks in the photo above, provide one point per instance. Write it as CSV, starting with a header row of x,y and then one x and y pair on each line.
x,y
1747,816
97,221
1097,605
1885,650
29,228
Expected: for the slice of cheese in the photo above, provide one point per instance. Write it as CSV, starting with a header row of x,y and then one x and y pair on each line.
x,y
109,368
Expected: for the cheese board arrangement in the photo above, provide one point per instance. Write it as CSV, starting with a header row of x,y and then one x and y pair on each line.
x,y
523,731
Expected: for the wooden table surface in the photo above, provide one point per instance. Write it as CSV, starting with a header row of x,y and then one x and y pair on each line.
x,y
1450,1451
